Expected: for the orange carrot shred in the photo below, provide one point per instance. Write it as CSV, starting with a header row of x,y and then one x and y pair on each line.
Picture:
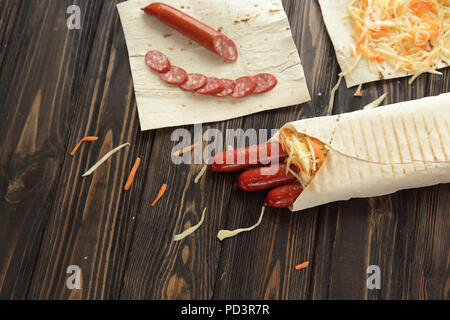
x,y
302,266
86,139
187,149
132,174
160,194
317,149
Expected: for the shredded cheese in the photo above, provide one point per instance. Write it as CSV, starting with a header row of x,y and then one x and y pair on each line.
x,y
225,234
104,159
201,174
411,36
376,103
190,231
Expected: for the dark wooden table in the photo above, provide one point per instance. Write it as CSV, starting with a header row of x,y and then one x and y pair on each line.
x,y
58,85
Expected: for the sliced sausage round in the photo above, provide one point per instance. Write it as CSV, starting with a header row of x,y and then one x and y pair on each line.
x,y
194,82
244,87
266,82
176,76
213,86
225,47
157,61
228,89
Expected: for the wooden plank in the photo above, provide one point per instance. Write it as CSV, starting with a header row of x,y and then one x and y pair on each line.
x,y
350,232
340,249
122,244
428,268
379,231
157,267
92,219
409,240
39,73
8,15
178,270
261,264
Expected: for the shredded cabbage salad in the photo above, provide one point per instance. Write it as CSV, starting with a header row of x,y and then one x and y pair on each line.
x,y
306,153
410,35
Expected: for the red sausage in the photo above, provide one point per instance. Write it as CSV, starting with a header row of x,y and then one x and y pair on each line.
x,y
266,82
244,87
254,156
194,29
175,76
157,61
266,177
284,196
229,86
212,86
194,82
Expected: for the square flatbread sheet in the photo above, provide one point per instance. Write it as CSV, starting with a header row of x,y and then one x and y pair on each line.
x,y
261,32
340,26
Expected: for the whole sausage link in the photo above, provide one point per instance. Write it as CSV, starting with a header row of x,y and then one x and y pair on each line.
x,y
250,157
194,29
266,177
284,196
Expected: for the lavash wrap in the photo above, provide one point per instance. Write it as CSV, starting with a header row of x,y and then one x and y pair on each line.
x,y
379,151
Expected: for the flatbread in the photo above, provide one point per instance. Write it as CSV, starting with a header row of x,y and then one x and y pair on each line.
x,y
259,28
379,151
339,26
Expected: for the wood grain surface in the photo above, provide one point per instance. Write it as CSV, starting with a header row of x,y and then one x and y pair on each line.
x,y
59,85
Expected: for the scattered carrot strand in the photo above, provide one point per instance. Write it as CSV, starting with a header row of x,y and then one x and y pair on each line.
x,y
317,149
187,149
304,265
132,174
160,194
86,139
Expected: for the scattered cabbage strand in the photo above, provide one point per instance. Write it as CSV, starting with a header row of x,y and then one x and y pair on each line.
x,y
302,155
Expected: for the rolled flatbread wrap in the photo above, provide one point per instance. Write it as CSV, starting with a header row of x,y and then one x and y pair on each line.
x,y
372,152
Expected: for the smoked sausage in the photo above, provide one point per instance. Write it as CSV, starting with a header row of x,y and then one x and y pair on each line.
x,y
176,76
266,177
244,86
194,29
284,196
157,61
266,82
250,157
